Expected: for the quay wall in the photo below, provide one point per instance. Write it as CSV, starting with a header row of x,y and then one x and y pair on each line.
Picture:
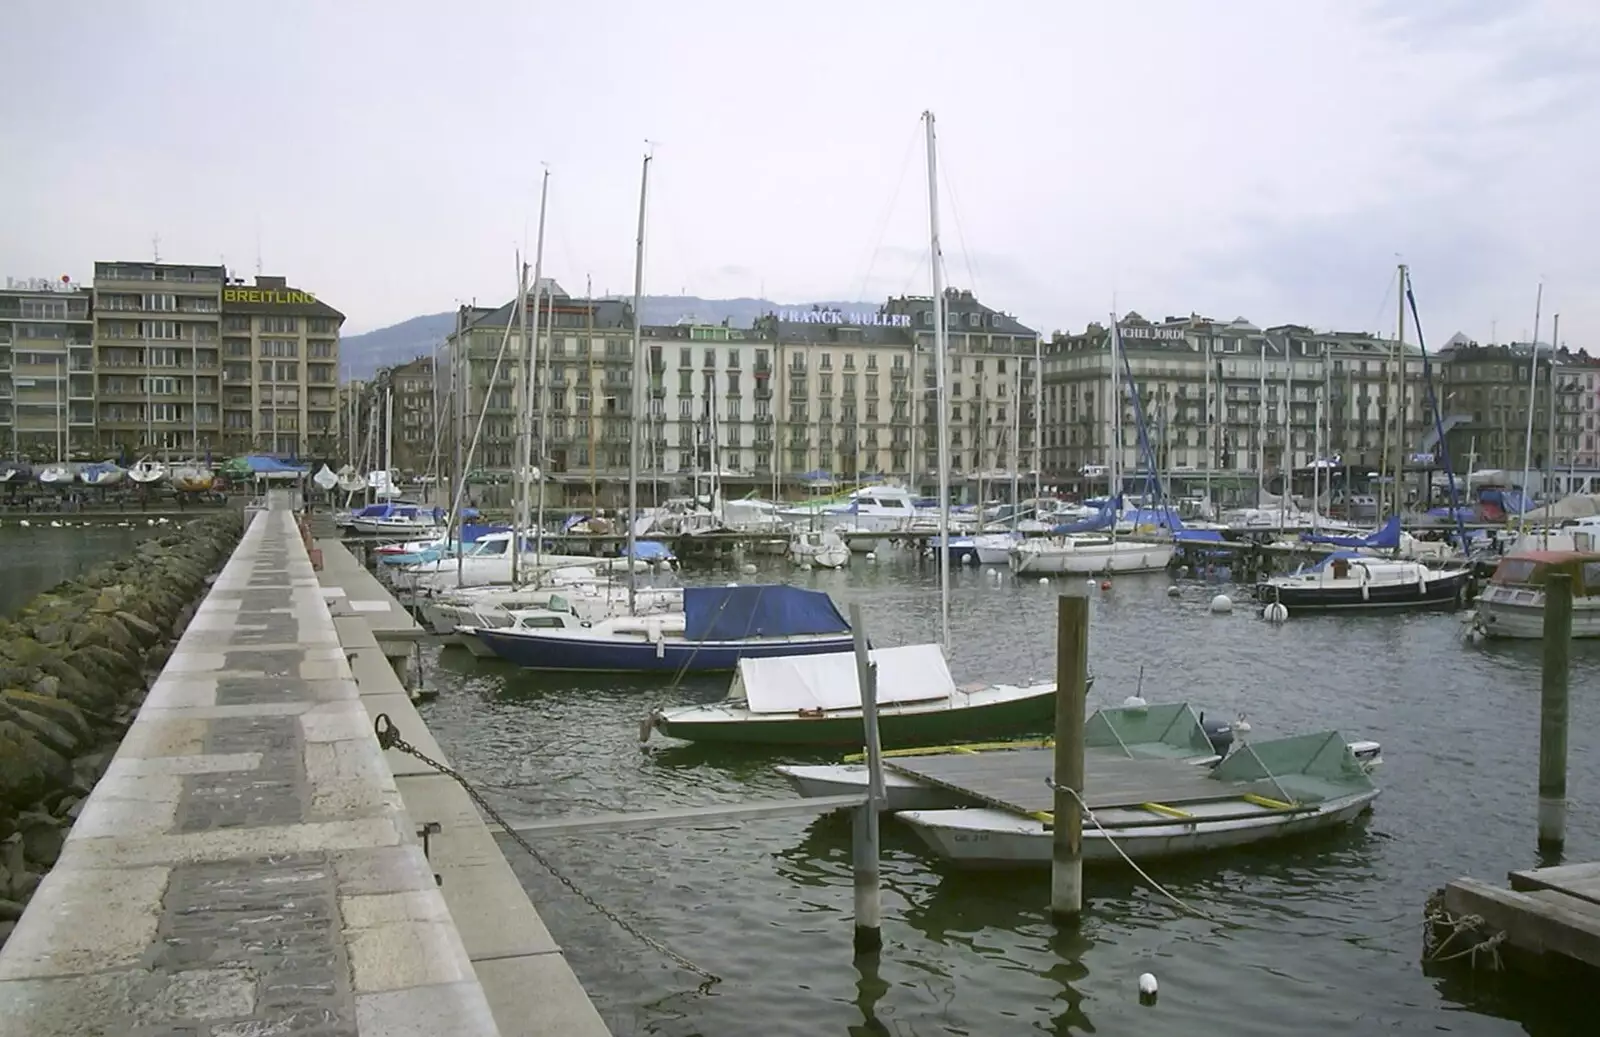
x,y
531,989
245,865
75,665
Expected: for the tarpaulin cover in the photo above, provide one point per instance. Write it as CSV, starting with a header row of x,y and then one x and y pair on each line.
x,y
788,683
758,610
1386,536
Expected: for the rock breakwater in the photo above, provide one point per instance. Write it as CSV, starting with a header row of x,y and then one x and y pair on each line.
x,y
75,664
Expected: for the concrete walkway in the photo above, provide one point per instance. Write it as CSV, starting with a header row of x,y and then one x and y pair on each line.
x,y
245,867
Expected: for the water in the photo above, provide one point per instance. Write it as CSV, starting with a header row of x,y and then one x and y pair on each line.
x,y
39,557
1323,933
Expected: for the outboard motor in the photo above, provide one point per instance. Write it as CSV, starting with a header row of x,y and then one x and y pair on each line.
x,y
1219,733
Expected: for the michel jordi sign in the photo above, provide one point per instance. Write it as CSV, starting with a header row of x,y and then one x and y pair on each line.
x,y
855,320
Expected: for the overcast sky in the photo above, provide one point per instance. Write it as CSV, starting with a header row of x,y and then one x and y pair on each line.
x,y
1249,157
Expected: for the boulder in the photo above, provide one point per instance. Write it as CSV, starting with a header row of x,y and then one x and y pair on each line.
x,y
40,726
55,709
142,629
28,767
42,837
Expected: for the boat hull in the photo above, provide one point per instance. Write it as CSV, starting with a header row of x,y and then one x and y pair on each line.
x,y
672,656
1446,590
1091,560
896,727
1524,621
900,792
981,838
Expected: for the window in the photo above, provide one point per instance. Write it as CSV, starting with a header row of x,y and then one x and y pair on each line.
x,y
160,303
685,356
827,362
234,322
158,329
733,383
163,358
711,358
160,386
280,325
164,412
685,407
733,359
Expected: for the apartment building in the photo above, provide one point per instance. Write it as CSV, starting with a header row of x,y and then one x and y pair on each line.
x,y
417,406
992,375
1486,403
586,346
280,375
46,369
1228,397
189,361
157,331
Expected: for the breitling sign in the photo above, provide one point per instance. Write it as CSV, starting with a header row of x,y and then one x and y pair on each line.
x,y
268,296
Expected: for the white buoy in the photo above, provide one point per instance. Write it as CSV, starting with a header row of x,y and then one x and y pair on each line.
x,y
24,523
1093,583
969,559
1133,702
149,522
1174,591
1276,612
734,583
1147,988
747,568
54,524
1046,579
872,556
805,567
1221,605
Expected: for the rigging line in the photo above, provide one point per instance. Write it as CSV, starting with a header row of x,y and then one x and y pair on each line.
x,y
1378,314
888,213
961,236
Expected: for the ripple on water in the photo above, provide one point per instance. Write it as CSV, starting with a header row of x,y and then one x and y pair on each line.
x,y
1310,934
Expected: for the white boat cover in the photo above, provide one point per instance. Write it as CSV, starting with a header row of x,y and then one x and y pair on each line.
x,y
790,683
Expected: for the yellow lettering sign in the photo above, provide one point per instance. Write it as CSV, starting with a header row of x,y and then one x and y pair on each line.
x,y
268,296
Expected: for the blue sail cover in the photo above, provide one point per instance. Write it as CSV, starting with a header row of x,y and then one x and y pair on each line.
x,y
758,610
1104,519
265,464
1386,536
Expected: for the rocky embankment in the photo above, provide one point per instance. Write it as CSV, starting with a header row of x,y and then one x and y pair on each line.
x,y
75,665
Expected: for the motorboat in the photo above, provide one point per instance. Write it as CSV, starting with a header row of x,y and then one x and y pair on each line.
x,y
1350,580
824,549
718,627
404,520
1511,605
870,509
815,700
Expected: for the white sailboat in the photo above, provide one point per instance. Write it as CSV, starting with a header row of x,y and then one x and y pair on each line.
x,y
824,549
1094,553
147,470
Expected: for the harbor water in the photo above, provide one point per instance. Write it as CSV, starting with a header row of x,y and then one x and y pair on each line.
x,y
1320,935
39,556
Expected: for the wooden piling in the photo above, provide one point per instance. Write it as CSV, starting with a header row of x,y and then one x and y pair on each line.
x,y
864,855
1072,676
1553,712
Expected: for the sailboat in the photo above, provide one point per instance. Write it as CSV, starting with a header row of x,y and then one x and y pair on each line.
x,y
816,700
147,470
57,474
1081,547
105,473
192,478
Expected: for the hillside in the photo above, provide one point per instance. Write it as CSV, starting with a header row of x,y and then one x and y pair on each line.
x,y
362,355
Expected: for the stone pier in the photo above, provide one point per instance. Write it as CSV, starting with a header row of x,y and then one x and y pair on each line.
x,y
246,866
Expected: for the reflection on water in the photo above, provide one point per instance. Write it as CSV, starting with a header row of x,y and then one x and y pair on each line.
x,y
36,558
1321,933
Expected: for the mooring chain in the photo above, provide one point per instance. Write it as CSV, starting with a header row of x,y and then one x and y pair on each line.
x,y
389,738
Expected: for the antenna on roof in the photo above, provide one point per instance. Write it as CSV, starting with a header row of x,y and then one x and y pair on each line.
x,y
155,246
258,244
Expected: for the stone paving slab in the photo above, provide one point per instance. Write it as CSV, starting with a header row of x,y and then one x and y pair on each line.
x,y
245,868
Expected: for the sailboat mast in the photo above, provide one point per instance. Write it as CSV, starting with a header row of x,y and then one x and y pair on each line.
x,y
636,390
1016,451
1550,436
1038,423
519,497
536,462
1396,499
1114,489
588,300
941,382
1533,388
1261,425
1286,455
1210,424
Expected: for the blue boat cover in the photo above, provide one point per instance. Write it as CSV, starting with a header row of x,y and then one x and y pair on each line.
x,y
1386,536
471,534
265,464
650,551
1104,519
758,610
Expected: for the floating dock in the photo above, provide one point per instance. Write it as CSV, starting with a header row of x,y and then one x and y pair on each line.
x,y
1547,920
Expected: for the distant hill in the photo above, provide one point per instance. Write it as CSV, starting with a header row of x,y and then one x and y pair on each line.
x,y
362,355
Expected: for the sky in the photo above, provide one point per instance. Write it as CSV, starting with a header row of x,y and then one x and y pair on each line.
x,y
1250,158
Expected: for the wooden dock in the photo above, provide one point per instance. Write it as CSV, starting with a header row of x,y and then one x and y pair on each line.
x,y
1019,780
1548,919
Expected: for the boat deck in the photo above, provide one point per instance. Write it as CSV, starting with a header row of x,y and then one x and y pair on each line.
x,y
1015,780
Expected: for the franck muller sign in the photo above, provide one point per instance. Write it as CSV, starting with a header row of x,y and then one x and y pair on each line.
x,y
864,320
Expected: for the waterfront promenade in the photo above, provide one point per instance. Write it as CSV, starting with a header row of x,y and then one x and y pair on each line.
x,y
247,866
